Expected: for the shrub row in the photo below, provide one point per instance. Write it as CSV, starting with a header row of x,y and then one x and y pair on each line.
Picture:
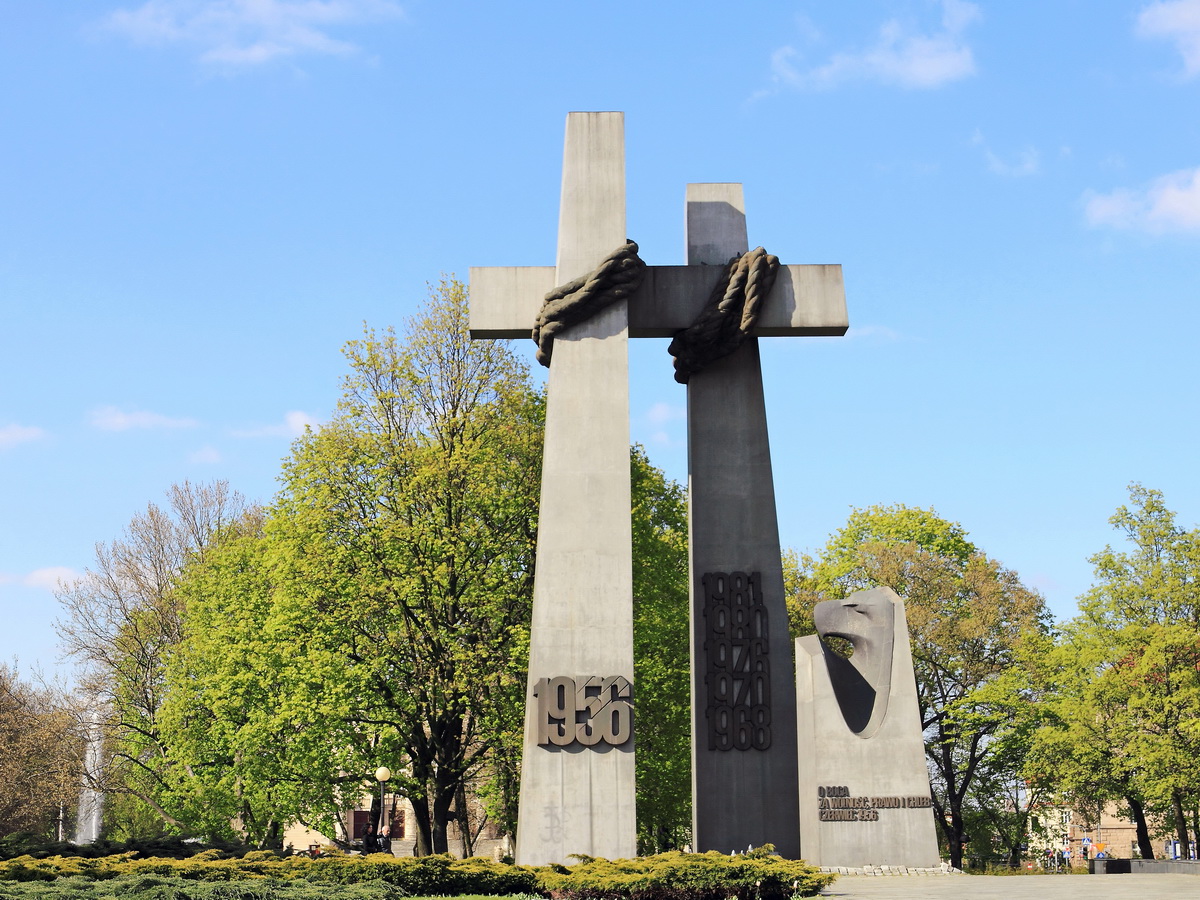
x,y
758,875
667,876
412,876
154,887
35,845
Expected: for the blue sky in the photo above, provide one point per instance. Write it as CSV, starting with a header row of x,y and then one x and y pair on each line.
x,y
202,200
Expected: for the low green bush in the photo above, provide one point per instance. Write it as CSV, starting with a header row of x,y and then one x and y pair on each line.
x,y
151,887
427,875
28,844
261,875
758,875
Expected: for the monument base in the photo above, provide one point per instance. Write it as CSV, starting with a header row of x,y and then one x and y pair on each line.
x,y
864,787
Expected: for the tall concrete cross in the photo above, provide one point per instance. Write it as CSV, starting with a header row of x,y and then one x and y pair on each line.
x,y
577,791
744,762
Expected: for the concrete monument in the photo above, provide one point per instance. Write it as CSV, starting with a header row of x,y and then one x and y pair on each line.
x,y
577,792
864,787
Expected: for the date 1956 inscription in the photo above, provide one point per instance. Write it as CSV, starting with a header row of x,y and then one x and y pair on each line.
x,y
584,710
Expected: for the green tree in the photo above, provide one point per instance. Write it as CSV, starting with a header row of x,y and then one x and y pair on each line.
x,y
661,664
379,611
1079,751
385,607
1134,669
120,622
966,615
405,537
248,749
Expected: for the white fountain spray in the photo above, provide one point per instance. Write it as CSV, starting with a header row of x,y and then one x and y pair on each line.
x,y
91,798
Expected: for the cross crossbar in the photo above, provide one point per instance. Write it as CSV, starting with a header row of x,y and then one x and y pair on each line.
x,y
808,300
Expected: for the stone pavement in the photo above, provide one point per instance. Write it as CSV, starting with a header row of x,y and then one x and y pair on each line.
x,y
1016,887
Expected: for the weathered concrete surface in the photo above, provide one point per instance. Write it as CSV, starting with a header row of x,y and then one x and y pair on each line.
x,y
1015,887
741,795
577,799
873,783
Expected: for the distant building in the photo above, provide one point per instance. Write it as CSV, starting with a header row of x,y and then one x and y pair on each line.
x,y
1053,829
486,838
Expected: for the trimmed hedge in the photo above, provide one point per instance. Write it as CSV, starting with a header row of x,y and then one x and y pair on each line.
x,y
758,875
425,875
153,887
29,844
263,874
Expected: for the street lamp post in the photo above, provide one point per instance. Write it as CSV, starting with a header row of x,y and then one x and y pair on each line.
x,y
382,774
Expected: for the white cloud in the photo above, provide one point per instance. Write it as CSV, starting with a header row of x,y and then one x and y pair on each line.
x,y
1027,162
1169,204
49,578
1177,21
293,425
110,418
206,454
661,413
11,435
235,33
900,56
663,430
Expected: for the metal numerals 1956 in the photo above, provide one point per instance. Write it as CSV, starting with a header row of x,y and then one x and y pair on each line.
x,y
586,709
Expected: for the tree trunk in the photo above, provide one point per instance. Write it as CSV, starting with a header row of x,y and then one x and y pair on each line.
x,y
1181,832
1014,856
443,797
955,842
1138,812
424,845
1196,828
950,821
463,815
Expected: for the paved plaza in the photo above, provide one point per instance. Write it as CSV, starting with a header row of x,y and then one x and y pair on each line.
x,y
1017,887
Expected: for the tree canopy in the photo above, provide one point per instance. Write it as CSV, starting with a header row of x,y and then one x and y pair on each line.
x,y
1120,687
378,611
380,615
40,761
661,660
120,622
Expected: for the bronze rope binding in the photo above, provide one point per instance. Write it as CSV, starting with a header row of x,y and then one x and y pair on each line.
x,y
729,316
616,278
